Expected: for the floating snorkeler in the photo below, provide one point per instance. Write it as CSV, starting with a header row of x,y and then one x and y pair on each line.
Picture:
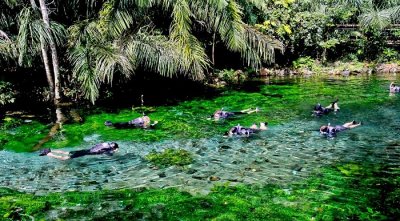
x,y
319,110
246,132
221,114
108,148
331,131
140,122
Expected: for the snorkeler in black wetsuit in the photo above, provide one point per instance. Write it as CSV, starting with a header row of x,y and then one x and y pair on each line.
x,y
319,110
331,131
140,122
246,132
108,148
221,114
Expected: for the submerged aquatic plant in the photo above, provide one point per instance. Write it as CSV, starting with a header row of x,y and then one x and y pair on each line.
x,y
327,195
170,157
280,101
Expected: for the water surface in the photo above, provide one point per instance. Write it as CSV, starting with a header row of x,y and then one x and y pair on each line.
x,y
288,152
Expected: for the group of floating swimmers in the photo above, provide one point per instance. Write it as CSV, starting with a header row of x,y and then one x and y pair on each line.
x,y
109,148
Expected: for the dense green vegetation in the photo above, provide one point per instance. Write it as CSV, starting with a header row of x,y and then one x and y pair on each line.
x,y
169,157
344,191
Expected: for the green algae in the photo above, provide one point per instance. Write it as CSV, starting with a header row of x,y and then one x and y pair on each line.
x,y
280,101
22,138
170,157
327,195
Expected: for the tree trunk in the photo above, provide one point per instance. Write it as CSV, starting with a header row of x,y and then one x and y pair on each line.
x,y
47,69
213,50
54,56
323,56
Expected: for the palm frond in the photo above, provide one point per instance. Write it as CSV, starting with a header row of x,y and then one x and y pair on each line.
x,y
83,70
8,49
231,28
110,59
260,47
193,54
83,32
394,14
375,18
159,54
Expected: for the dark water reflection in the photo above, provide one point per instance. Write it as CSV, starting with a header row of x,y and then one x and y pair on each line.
x,y
285,153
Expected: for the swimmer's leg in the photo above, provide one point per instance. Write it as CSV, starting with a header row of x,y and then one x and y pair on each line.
x,y
246,110
252,111
334,106
153,124
58,157
351,124
60,152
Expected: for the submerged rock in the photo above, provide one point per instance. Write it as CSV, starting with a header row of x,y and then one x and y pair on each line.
x,y
214,178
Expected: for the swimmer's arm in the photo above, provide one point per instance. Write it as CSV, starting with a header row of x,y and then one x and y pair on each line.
x,y
109,153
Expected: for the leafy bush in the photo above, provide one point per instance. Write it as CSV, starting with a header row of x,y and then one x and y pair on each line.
x,y
304,62
170,157
389,55
231,76
9,123
7,95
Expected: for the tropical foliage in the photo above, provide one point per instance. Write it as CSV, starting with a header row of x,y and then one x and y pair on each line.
x,y
165,37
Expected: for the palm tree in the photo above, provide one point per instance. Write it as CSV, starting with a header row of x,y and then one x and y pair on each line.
x,y
7,46
35,36
380,14
126,36
54,55
377,14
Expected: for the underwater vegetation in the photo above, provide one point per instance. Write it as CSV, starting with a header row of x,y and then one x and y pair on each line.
x,y
339,192
363,186
280,101
170,157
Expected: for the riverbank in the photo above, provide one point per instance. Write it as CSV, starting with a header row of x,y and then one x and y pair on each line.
x,y
309,67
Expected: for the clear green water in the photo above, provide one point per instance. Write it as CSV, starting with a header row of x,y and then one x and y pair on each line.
x,y
289,154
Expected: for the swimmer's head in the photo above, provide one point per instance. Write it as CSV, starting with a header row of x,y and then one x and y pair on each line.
x,y
263,125
114,145
254,126
324,129
108,123
146,120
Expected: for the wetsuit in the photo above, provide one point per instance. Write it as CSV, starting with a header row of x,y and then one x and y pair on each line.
x,y
242,131
320,110
331,131
219,114
102,148
141,122
394,89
